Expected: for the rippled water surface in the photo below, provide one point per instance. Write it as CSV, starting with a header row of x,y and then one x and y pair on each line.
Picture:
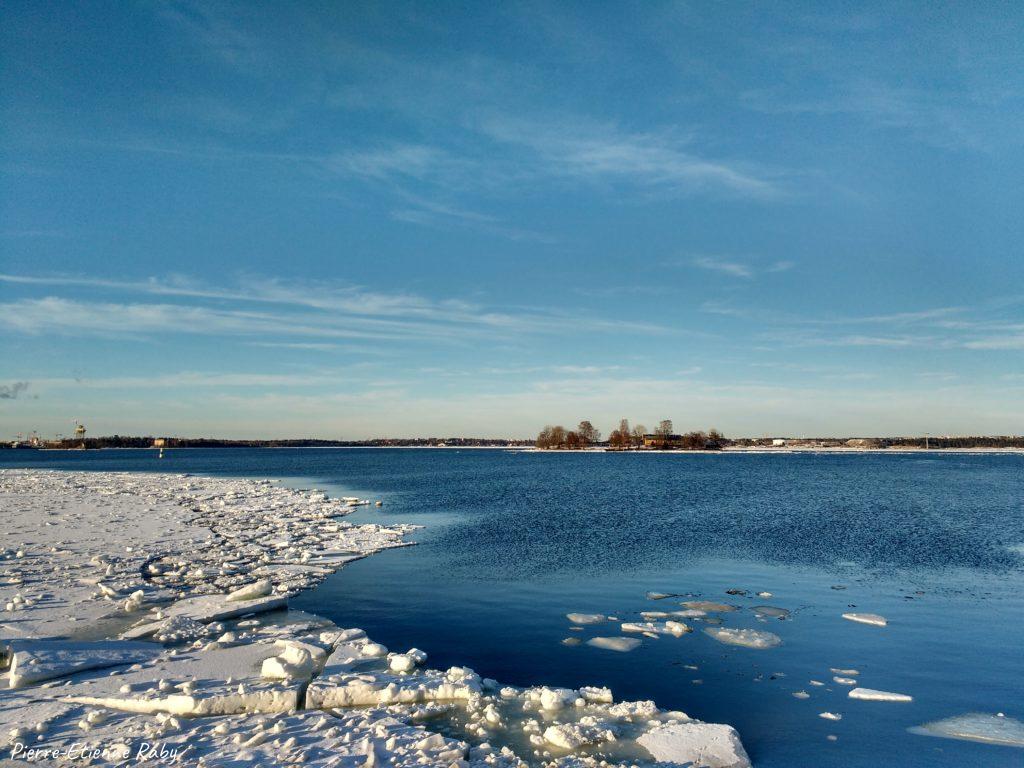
x,y
514,541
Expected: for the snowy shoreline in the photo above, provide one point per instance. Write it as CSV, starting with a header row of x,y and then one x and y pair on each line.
x,y
145,620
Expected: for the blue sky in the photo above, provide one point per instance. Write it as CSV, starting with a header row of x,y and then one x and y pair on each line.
x,y
348,220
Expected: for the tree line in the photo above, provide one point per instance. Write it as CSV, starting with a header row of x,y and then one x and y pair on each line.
x,y
623,437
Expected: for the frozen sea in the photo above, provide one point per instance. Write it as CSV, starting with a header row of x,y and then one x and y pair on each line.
x,y
515,540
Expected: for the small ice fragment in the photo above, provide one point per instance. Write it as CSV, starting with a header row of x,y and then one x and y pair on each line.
x,y
771,611
658,595
844,680
764,594
869,694
801,695
844,672
622,644
866,618
571,641
976,726
747,638
831,715
585,618
708,606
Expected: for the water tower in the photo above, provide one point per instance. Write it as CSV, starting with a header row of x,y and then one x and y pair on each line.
x,y
80,433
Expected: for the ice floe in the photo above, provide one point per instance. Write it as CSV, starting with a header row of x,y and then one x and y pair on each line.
x,y
976,726
747,638
585,618
866,618
621,644
870,694
708,606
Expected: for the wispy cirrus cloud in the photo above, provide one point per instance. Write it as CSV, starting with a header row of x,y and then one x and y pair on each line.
x,y
731,266
582,150
269,307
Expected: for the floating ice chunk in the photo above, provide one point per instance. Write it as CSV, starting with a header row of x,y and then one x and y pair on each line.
x,y
658,595
844,672
571,641
869,694
622,644
747,638
866,618
702,745
976,726
844,680
830,715
771,612
801,695
585,618
677,628
33,661
709,607
260,588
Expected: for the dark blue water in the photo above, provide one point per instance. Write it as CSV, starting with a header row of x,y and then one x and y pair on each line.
x,y
513,541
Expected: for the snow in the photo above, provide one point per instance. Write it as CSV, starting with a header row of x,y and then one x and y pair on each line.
x,y
866,618
747,638
869,694
138,626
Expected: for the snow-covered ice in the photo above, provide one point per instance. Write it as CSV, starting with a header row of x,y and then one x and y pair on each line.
x,y
704,744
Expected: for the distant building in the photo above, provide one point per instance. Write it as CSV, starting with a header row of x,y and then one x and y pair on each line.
x,y
778,442
160,442
663,441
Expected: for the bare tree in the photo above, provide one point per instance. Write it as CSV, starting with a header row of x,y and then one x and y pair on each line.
x,y
664,428
558,436
588,433
638,435
544,438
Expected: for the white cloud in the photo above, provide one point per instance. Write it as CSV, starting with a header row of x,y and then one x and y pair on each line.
x,y
732,268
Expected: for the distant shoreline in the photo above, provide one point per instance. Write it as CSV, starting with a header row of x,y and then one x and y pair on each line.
x,y
788,450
